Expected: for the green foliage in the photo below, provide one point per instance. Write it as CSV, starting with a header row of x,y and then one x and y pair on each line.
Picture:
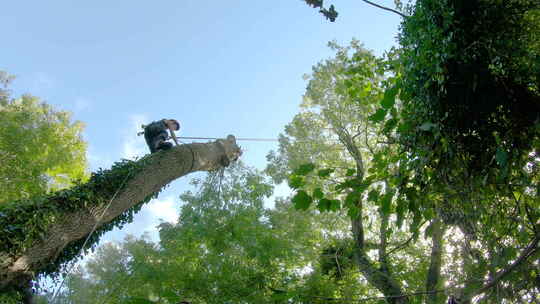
x,y
389,98
372,130
41,150
469,81
225,248
378,116
10,297
337,259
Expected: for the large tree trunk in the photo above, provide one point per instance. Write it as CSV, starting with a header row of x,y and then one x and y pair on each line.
x,y
159,169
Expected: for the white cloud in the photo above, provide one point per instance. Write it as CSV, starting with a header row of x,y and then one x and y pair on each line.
x,y
164,209
134,146
145,221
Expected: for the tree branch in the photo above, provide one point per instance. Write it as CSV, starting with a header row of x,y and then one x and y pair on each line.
x,y
386,8
157,171
529,251
401,246
380,279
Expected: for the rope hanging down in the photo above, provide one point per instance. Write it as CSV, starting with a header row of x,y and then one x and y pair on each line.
x,y
70,268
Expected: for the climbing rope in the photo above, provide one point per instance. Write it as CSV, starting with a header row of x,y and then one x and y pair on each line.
x,y
215,138
70,268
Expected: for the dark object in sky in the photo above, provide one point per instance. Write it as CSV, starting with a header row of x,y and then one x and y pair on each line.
x,y
315,3
330,13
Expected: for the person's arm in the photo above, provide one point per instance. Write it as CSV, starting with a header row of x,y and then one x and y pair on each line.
x,y
173,136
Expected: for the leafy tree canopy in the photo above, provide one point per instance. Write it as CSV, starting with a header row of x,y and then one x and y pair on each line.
x,y
41,149
226,248
469,84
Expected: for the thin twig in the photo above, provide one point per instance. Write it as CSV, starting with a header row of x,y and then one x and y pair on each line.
x,y
386,8
400,246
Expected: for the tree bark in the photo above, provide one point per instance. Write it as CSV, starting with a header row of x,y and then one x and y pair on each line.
x,y
379,277
433,280
374,275
159,170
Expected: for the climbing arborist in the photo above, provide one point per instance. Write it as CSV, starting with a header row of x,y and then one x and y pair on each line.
x,y
156,135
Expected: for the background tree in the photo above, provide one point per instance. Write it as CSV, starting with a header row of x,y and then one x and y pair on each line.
x,y
466,132
334,135
226,248
41,149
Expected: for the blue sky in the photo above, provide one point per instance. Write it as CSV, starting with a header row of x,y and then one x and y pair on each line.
x,y
219,67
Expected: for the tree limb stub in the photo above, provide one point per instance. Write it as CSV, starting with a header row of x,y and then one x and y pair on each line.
x,y
158,170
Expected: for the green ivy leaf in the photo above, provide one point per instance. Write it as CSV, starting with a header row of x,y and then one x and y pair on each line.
x,y
390,125
350,172
352,198
335,205
386,203
302,200
404,127
501,157
353,212
373,195
389,98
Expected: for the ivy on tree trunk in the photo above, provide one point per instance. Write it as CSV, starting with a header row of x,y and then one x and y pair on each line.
x,y
68,228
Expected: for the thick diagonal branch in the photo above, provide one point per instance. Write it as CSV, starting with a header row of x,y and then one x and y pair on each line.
x,y
380,278
529,251
159,169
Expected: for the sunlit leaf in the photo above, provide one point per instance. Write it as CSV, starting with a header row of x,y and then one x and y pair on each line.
x,y
296,181
389,98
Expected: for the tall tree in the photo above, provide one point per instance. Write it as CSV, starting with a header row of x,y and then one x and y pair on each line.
x,y
226,248
361,170
41,149
466,128
333,133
